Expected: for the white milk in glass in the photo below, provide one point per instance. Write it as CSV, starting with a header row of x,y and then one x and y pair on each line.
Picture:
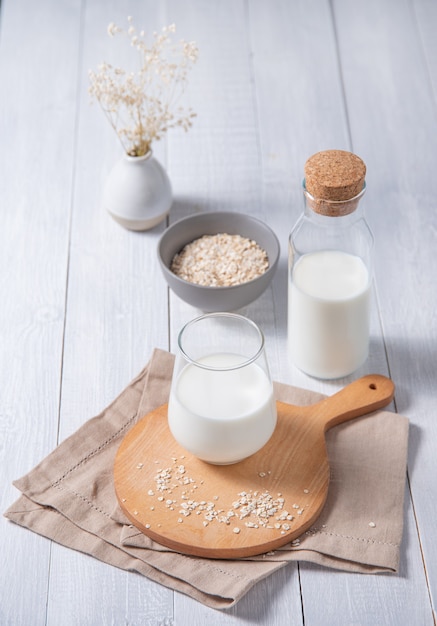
x,y
328,313
222,416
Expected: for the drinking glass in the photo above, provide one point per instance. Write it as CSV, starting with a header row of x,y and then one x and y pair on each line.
x,y
221,407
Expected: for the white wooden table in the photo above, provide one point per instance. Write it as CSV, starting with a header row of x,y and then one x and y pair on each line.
x,y
83,302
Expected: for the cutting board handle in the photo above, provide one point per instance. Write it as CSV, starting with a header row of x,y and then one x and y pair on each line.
x,y
364,395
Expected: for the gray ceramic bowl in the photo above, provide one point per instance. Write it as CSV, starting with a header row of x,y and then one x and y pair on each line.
x,y
189,228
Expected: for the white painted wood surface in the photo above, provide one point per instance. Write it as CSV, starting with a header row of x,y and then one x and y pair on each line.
x,y
84,304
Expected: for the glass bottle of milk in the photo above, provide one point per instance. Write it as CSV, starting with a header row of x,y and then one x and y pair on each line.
x,y
330,269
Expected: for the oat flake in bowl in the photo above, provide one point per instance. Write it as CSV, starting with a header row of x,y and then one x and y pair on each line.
x,y
224,295
220,260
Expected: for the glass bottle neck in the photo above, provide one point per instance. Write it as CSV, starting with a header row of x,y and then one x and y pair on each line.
x,y
332,229
325,211
334,220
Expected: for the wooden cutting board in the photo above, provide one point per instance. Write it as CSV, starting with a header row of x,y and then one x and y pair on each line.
x,y
251,507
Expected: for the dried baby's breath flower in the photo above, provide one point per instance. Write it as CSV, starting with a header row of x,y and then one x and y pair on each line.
x,y
141,105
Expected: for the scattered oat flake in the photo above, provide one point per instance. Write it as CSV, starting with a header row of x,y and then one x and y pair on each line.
x,y
372,524
306,490
255,509
251,525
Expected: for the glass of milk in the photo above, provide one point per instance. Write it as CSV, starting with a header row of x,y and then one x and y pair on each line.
x,y
221,407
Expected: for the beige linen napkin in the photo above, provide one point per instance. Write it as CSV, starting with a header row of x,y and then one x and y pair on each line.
x,y
69,497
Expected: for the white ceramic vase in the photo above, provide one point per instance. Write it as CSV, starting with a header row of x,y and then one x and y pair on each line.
x,y
138,192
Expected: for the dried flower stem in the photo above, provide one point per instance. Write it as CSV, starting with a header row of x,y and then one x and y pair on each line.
x,y
141,106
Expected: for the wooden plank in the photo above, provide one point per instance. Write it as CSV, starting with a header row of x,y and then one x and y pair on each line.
x,y
401,151
116,315
425,12
37,116
90,592
223,171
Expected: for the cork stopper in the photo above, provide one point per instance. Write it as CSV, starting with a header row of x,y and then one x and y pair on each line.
x,y
334,179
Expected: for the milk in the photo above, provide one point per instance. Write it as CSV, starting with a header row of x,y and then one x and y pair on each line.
x,y
328,313
222,416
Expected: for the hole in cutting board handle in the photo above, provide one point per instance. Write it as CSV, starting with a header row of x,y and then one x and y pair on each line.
x,y
372,386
